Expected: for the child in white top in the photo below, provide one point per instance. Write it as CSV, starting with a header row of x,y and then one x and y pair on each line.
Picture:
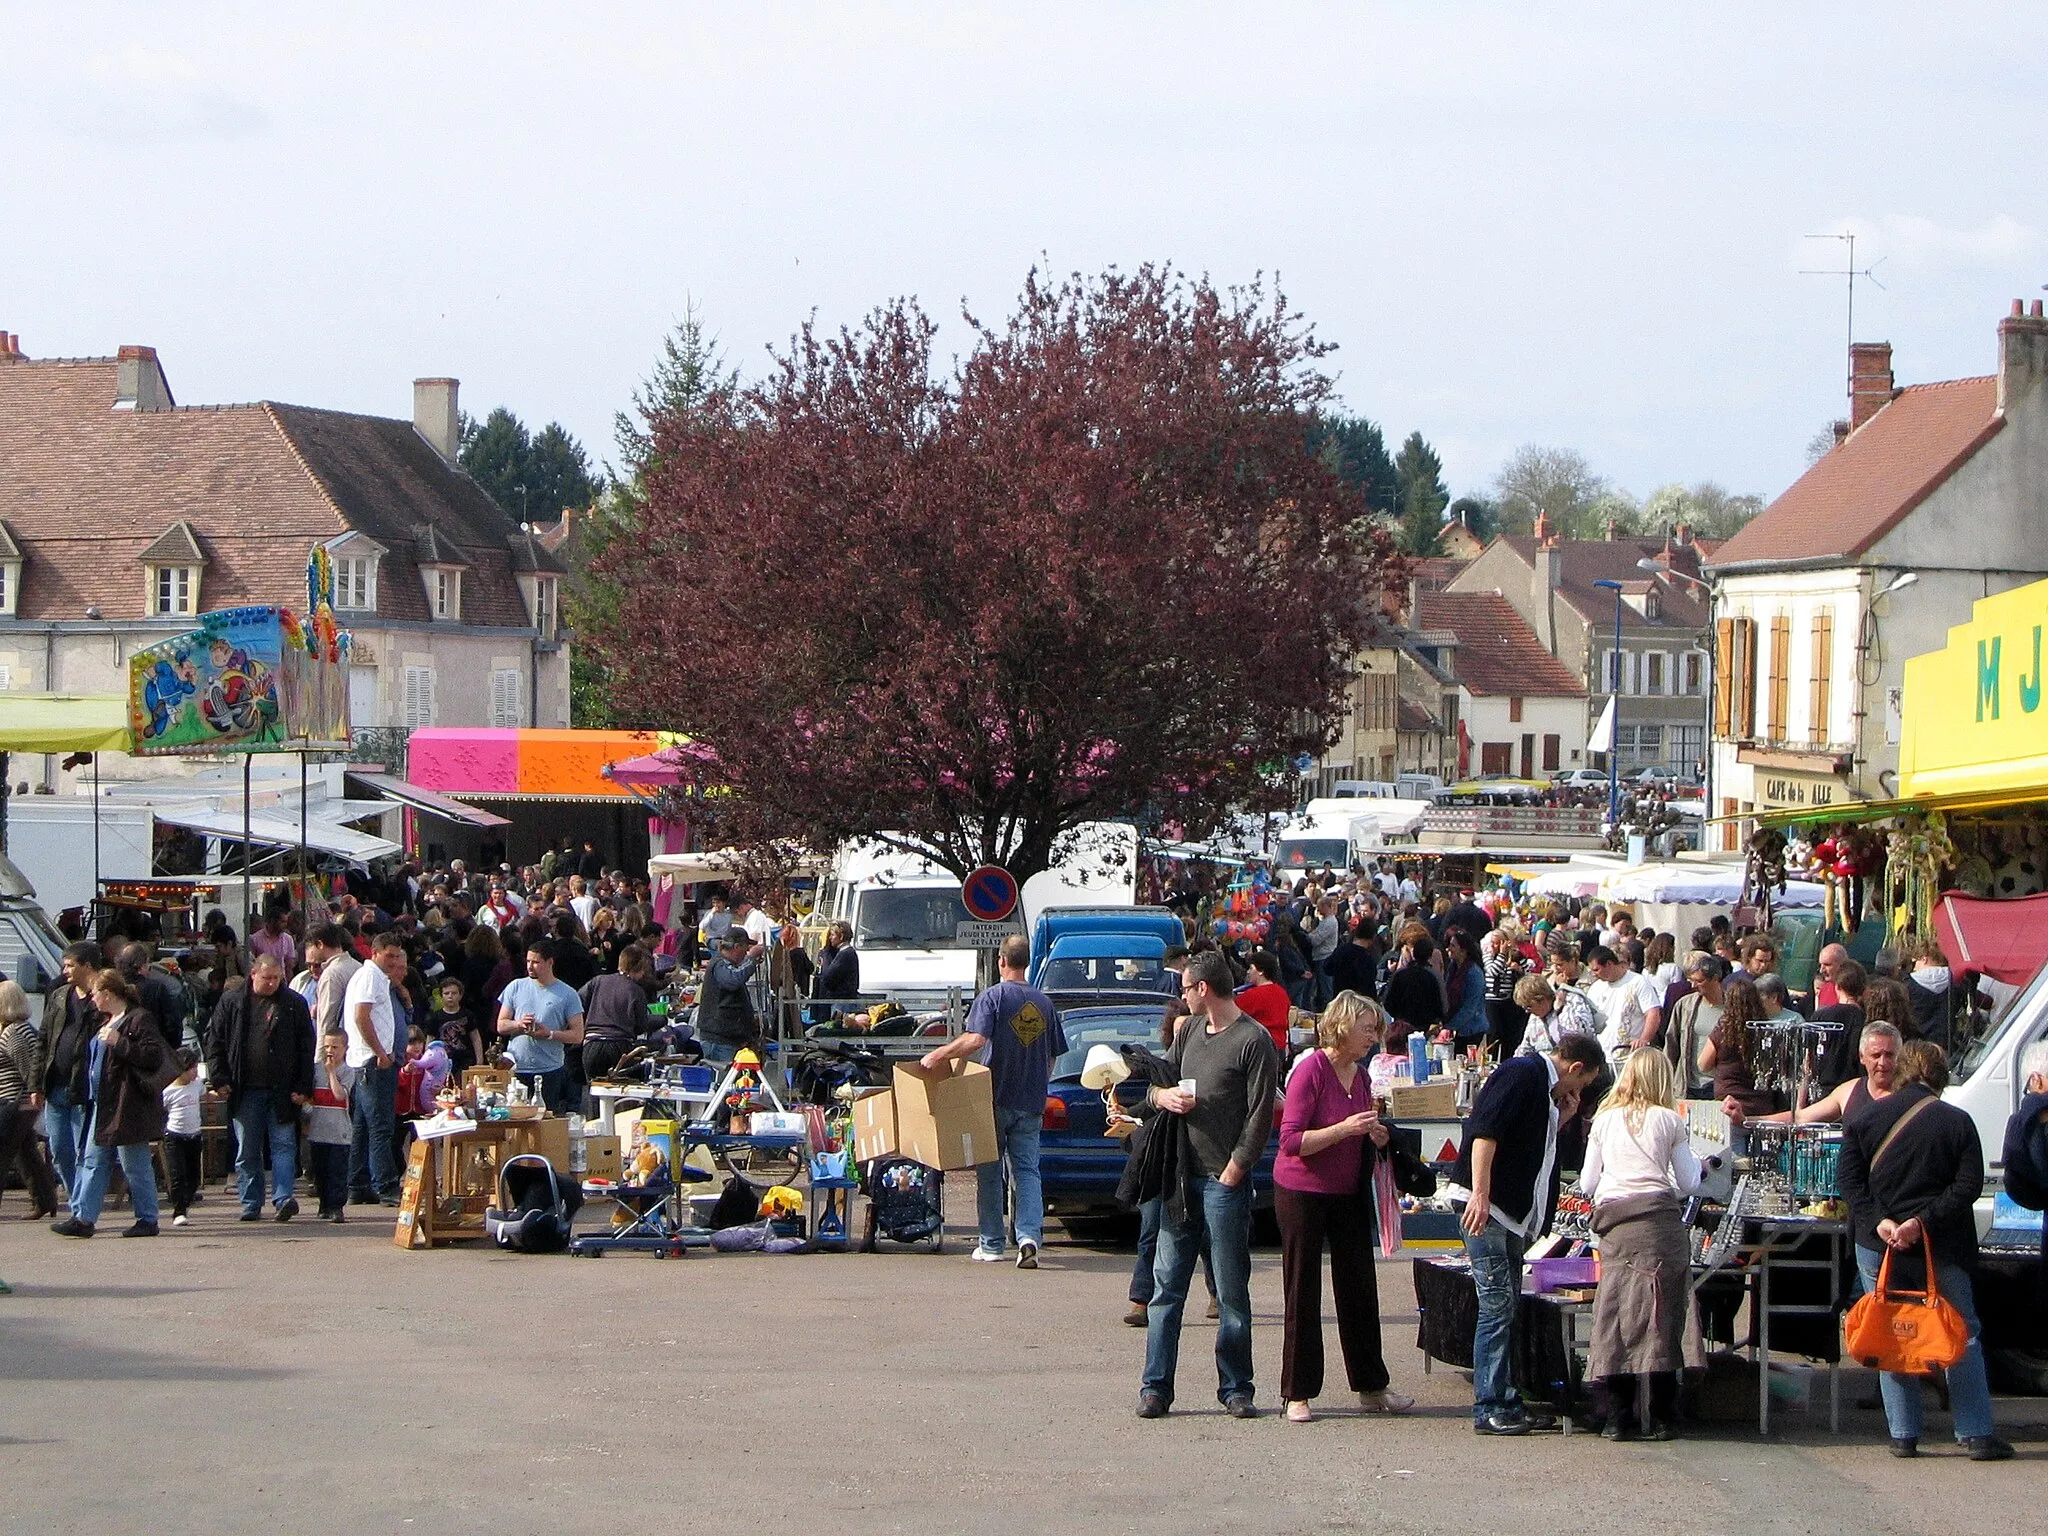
x,y
182,1142
328,1129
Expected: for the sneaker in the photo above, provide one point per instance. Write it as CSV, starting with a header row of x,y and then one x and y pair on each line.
x,y
1139,1316
390,1200
1988,1448
337,1216
71,1226
1240,1406
288,1210
1027,1254
1152,1405
1385,1401
141,1229
1500,1424
1905,1450
249,1215
181,1220
1657,1431
983,1256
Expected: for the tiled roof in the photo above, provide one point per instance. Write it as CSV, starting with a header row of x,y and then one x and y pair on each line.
x,y
1860,490
1582,562
176,545
1410,716
87,489
429,547
1498,653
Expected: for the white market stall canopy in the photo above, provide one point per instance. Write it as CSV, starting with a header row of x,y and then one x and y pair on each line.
x,y
1698,885
280,832
697,868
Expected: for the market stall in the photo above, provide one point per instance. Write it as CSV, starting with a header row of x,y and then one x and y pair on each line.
x,y
540,786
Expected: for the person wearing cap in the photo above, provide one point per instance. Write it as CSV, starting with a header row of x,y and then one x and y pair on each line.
x,y
725,1011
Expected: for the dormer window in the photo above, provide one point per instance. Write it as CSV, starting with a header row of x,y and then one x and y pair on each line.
x,y
544,607
171,567
440,564
445,590
356,558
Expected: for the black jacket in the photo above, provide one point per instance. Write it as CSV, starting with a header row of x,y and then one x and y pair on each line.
x,y
66,1044
1513,1111
290,1049
838,973
1934,1169
1414,998
168,1002
2026,1157
1842,1060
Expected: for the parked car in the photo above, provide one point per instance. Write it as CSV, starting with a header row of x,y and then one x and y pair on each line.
x,y
1658,778
1583,778
1079,1165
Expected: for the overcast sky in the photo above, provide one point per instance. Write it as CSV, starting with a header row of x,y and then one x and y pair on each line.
x,y
1567,225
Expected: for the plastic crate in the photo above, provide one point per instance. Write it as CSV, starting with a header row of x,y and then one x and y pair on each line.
x,y
1556,1274
698,1079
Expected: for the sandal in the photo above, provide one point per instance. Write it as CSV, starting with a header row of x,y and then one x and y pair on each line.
x,y
1299,1413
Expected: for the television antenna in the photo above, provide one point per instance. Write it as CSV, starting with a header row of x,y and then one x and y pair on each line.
x,y
1851,271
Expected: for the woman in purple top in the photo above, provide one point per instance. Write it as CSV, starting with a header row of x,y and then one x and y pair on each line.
x,y
1323,1194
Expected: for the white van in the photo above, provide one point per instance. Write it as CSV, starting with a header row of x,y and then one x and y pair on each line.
x,y
1985,1080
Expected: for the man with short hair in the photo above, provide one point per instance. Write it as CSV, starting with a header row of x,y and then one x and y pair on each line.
x,y
1507,1175
725,1010
370,1009
1838,1063
1692,1022
1014,1030
69,1023
259,1052
334,964
1825,991
165,1000
1224,1126
271,939
540,1016
591,865
1631,1004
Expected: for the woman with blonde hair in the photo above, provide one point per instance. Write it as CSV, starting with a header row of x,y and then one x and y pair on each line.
x,y
1330,1134
1639,1168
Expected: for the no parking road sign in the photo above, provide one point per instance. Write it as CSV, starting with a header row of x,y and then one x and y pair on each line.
x,y
989,893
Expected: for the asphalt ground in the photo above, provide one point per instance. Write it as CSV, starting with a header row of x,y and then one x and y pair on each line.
x,y
307,1378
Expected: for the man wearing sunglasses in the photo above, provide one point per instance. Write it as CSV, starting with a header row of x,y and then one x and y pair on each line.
x,y
1225,1120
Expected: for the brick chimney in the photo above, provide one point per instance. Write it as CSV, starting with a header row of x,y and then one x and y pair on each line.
x,y
139,382
2022,352
1870,380
10,348
435,417
1841,431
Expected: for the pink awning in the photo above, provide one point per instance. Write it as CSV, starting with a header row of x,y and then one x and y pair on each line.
x,y
2006,940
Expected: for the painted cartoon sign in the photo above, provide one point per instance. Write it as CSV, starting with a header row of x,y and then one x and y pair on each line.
x,y
247,680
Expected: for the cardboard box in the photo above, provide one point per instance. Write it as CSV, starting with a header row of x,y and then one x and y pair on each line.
x,y
874,1127
946,1118
768,1122
549,1137
602,1157
1435,1101
624,1122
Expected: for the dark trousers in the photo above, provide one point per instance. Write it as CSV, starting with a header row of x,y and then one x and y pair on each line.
x,y
330,1173
1621,1397
19,1148
1343,1223
600,1056
181,1163
1506,1022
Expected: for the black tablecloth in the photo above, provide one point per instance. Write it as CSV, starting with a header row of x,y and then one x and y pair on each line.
x,y
1542,1368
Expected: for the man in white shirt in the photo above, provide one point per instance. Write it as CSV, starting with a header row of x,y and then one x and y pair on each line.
x,y
1410,891
759,924
370,1010
582,902
1631,1004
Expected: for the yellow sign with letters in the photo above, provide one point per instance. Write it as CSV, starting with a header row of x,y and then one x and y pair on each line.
x,y
1974,718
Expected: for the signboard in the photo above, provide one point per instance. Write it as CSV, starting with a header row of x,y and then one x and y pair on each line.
x,y
984,935
247,680
989,893
1973,719
1777,790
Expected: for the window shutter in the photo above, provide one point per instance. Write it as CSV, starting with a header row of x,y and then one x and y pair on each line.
x,y
1745,697
505,698
1781,676
419,697
1724,677
1820,698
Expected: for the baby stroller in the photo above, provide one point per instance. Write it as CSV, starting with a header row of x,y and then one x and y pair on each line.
x,y
906,1203
535,1208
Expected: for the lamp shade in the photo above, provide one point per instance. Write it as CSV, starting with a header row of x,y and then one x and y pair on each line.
x,y
1104,1068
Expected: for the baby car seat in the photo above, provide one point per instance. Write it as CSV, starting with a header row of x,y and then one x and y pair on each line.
x,y
535,1208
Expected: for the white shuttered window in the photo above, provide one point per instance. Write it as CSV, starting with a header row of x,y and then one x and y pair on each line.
x,y
419,697
505,698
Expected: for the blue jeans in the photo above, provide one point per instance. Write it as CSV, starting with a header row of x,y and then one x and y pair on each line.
x,y
1969,1389
552,1088
64,1123
1496,1256
373,1114
97,1171
1148,1253
718,1053
1224,1217
255,1127
1016,1144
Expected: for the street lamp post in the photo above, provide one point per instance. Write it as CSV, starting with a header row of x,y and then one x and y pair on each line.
x,y
1666,573
1614,746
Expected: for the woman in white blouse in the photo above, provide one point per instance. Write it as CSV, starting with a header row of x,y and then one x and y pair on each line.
x,y
1639,1168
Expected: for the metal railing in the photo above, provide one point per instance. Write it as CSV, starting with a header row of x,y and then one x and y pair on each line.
x,y
383,745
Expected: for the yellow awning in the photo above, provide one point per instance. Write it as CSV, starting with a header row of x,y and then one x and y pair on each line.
x,y
1854,811
60,722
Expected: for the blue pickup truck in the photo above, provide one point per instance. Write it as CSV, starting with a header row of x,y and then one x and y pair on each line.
x,y
1104,949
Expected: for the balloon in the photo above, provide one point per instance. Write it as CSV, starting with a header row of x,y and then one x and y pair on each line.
x,y
1845,867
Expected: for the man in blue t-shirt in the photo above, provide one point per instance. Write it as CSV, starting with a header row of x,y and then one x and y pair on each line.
x,y
1013,1030
538,1016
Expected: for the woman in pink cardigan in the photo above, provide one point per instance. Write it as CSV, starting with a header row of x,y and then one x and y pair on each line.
x,y
1329,1135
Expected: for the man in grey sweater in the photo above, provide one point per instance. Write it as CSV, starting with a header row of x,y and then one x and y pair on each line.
x,y
1230,1059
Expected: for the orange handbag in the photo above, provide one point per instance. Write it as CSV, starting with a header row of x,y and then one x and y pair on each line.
x,y
1905,1332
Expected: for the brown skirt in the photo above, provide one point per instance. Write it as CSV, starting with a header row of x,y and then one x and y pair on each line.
x,y
1640,1309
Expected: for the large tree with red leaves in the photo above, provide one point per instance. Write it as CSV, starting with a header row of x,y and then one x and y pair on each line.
x,y
1093,570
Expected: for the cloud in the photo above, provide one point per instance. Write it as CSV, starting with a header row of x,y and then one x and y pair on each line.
x,y
142,94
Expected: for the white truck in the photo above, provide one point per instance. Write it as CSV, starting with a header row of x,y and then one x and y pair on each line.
x,y
904,909
1339,834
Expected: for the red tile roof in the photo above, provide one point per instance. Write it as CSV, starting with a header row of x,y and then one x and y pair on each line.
x,y
86,489
1498,653
1581,562
1859,491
